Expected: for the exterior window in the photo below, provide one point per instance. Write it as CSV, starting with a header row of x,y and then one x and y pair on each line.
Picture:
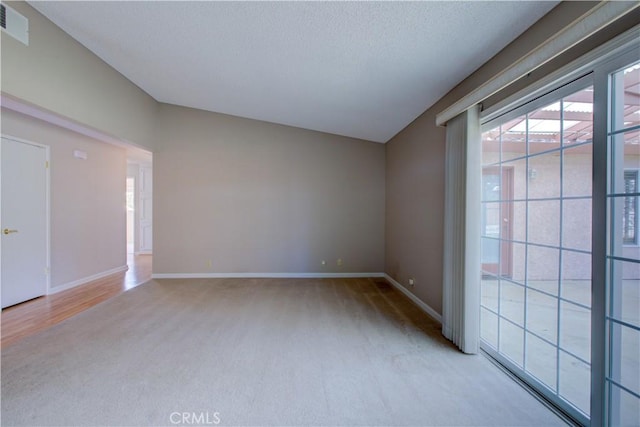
x,y
629,235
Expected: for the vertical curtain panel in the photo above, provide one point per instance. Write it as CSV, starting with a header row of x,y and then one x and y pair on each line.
x,y
461,275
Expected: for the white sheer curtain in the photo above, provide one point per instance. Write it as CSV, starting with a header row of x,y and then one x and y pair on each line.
x,y
461,276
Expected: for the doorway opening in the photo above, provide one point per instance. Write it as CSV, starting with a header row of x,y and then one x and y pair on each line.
x,y
139,202
131,207
139,215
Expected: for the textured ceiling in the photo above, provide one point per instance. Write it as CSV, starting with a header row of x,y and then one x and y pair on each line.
x,y
359,69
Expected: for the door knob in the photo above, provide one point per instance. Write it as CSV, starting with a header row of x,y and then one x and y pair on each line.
x,y
7,231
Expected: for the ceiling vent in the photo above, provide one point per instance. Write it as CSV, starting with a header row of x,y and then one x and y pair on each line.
x,y
14,24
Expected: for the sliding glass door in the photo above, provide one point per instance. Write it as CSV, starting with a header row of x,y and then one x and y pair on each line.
x,y
536,303
560,290
623,253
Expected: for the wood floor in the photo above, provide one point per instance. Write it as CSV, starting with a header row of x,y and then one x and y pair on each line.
x,y
31,317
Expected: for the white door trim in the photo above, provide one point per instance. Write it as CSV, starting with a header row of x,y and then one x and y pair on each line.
x,y
144,209
47,151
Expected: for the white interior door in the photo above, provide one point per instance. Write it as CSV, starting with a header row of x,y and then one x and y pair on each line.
x,y
23,222
145,208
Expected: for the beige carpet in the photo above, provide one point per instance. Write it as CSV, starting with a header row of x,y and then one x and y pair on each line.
x,y
256,352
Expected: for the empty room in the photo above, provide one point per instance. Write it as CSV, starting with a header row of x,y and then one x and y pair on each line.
x,y
320,213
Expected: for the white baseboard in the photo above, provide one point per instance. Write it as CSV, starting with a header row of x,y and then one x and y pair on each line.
x,y
87,279
424,306
261,275
143,253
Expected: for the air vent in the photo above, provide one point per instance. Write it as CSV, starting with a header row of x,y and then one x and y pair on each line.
x,y
3,17
14,24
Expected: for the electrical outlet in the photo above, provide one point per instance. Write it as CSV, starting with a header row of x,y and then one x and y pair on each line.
x,y
339,261
323,262
209,263
412,282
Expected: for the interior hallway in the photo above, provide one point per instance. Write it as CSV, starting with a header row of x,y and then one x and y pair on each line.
x,y
31,317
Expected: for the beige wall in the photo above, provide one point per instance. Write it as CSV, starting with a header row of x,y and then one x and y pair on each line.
x,y
257,197
414,205
87,199
415,160
58,74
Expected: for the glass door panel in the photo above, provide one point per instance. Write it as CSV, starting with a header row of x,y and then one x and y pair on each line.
x,y
623,251
536,248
